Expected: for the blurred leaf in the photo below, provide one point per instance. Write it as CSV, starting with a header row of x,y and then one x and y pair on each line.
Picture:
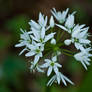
x,y
81,15
17,22
86,85
56,89
3,41
3,88
73,65
12,68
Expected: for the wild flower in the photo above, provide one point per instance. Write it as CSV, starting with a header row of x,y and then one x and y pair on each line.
x,y
45,42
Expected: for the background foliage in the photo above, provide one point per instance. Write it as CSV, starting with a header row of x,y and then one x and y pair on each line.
x,y
14,73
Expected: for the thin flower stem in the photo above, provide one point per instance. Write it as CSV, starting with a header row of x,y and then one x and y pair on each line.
x,y
67,54
60,36
67,51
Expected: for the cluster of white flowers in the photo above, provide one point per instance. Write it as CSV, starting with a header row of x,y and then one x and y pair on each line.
x,y
41,38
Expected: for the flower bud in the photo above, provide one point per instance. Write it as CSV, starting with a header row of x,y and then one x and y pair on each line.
x,y
52,22
53,41
67,42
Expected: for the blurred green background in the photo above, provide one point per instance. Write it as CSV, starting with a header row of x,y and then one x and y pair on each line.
x,y
14,73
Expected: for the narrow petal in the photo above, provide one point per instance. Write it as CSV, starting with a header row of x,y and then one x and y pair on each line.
x,y
68,80
43,32
34,24
49,71
58,78
23,51
48,37
36,59
20,44
62,27
85,41
51,81
45,65
40,70
54,59
31,53
62,78
58,65
56,70
84,65
34,38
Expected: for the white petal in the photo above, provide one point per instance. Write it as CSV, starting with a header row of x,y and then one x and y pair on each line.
x,y
62,78
56,70
84,65
40,54
77,45
35,32
47,60
85,41
67,79
39,70
58,78
43,32
49,71
36,59
53,41
20,44
70,21
67,42
45,65
34,24
48,37
52,22
51,81
58,65
34,38
31,53
62,27
54,13
45,22
23,51
54,59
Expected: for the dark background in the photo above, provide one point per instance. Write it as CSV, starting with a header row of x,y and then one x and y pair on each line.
x,y
14,73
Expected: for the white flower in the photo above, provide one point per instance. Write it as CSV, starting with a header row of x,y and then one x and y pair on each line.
x,y
36,67
58,78
35,49
60,16
70,21
53,41
67,42
52,65
42,22
79,37
52,23
69,24
83,57
25,39
35,25
40,36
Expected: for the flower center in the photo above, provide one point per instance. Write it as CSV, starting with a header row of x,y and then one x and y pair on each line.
x,y
52,63
37,51
76,40
41,40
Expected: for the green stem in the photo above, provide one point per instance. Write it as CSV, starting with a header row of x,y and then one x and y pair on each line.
x,y
67,51
67,54
59,36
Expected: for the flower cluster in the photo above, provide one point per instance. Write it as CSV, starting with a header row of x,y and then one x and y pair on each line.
x,y
45,46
